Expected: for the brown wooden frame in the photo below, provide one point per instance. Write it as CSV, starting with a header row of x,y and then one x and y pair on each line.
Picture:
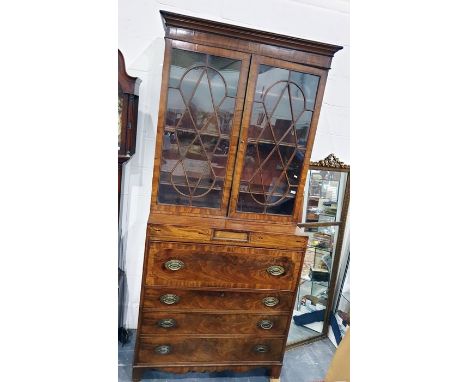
x,y
130,89
245,59
249,99
331,163
212,33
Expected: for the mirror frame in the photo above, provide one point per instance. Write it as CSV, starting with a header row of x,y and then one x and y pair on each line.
x,y
330,163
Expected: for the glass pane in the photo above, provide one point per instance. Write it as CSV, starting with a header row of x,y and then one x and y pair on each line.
x,y
342,311
277,138
312,295
199,114
326,193
229,71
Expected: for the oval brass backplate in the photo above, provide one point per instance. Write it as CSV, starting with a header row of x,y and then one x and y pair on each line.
x,y
275,270
162,349
174,265
270,301
262,348
169,299
167,323
265,324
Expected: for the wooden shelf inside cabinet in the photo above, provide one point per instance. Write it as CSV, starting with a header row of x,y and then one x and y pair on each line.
x,y
237,117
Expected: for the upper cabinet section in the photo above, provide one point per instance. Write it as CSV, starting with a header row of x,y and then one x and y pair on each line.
x,y
237,119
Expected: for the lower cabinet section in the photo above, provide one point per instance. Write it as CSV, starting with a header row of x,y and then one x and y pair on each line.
x,y
167,350
215,306
212,323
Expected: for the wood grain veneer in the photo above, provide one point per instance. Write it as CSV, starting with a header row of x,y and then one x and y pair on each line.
x,y
217,300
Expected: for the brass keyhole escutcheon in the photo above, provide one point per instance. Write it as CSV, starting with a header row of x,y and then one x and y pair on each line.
x,y
275,270
174,265
270,301
169,299
167,323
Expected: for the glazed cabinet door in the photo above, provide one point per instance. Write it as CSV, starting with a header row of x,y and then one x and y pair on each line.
x,y
278,127
202,95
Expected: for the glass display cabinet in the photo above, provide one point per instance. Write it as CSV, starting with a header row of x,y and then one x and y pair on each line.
x,y
237,118
325,209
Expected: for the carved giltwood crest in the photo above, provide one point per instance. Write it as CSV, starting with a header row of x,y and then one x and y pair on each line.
x,y
330,161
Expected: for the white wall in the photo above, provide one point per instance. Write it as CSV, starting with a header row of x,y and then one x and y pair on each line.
x,y
141,40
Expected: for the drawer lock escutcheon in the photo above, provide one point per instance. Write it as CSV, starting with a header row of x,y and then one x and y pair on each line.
x,y
167,323
275,270
162,349
174,265
262,349
270,301
169,299
265,324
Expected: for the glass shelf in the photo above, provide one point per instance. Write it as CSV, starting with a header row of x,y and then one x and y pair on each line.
x,y
173,129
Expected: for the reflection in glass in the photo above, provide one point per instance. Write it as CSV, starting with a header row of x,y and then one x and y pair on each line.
x,y
325,199
199,113
312,293
277,138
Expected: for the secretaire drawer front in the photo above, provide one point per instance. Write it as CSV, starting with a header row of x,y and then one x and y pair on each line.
x,y
191,265
173,349
213,323
226,236
169,299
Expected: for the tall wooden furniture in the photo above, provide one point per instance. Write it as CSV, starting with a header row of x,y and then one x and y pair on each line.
x,y
128,115
237,119
127,123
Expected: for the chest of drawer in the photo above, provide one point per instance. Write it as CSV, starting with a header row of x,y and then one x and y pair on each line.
x,y
204,265
178,350
170,299
212,323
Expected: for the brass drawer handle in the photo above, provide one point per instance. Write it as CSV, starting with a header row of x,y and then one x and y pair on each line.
x,y
169,299
262,349
275,270
174,265
167,323
265,324
270,301
162,349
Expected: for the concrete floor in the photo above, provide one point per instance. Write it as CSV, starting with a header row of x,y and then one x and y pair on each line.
x,y
307,363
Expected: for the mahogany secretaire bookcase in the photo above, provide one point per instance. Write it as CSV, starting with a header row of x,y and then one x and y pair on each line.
x,y
237,119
